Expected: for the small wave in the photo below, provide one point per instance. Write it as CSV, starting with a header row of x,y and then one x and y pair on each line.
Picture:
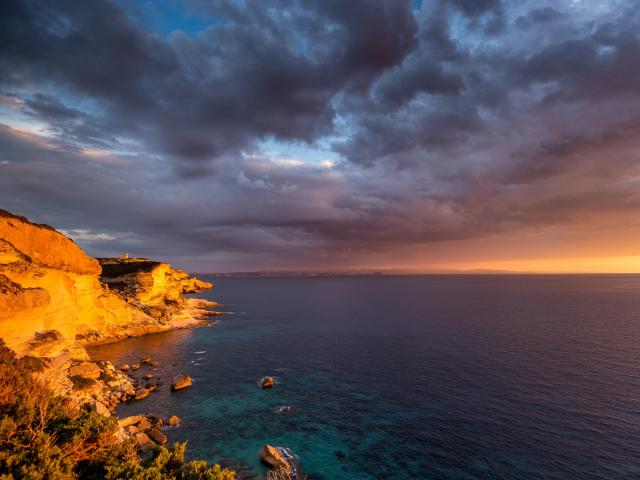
x,y
200,352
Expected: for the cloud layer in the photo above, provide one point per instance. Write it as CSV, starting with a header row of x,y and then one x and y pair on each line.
x,y
313,134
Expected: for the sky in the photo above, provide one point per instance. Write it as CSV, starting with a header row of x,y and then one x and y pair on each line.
x,y
328,134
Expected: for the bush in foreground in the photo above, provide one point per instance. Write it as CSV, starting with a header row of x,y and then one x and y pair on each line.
x,y
42,437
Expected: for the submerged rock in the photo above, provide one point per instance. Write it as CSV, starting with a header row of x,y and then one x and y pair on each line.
x,y
267,382
180,381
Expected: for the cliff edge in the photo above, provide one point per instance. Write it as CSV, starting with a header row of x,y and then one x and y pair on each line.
x,y
54,298
155,287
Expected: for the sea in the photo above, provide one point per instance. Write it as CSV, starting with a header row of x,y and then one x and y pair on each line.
x,y
409,377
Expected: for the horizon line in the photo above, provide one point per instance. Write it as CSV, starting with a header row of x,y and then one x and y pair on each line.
x,y
373,273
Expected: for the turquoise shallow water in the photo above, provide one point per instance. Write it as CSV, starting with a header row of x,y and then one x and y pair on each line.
x,y
434,377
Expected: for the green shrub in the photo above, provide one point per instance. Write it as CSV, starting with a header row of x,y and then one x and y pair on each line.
x,y
43,438
80,383
166,463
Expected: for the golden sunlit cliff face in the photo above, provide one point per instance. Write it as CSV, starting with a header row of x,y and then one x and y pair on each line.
x,y
154,287
52,299
154,284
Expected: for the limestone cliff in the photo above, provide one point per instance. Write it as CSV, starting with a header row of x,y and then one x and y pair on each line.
x,y
154,287
52,299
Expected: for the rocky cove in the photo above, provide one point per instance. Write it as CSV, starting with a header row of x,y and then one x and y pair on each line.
x,y
56,301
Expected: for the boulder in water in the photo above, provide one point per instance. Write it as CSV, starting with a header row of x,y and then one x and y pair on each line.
x,y
126,421
267,382
272,457
142,393
157,436
173,421
180,381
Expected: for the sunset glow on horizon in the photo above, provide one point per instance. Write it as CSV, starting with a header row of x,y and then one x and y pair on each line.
x,y
558,265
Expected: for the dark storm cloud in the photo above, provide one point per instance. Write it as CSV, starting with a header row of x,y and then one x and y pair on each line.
x,y
538,16
476,8
452,121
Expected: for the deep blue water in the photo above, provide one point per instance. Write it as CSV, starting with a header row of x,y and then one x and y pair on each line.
x,y
432,377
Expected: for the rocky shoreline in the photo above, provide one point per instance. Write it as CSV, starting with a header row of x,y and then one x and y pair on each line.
x,y
101,387
55,300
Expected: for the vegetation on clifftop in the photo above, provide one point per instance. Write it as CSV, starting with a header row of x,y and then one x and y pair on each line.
x,y
43,436
115,267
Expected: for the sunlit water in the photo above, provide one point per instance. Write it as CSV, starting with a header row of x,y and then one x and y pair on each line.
x,y
435,377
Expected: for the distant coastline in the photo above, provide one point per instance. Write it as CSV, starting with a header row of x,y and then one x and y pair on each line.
x,y
390,273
